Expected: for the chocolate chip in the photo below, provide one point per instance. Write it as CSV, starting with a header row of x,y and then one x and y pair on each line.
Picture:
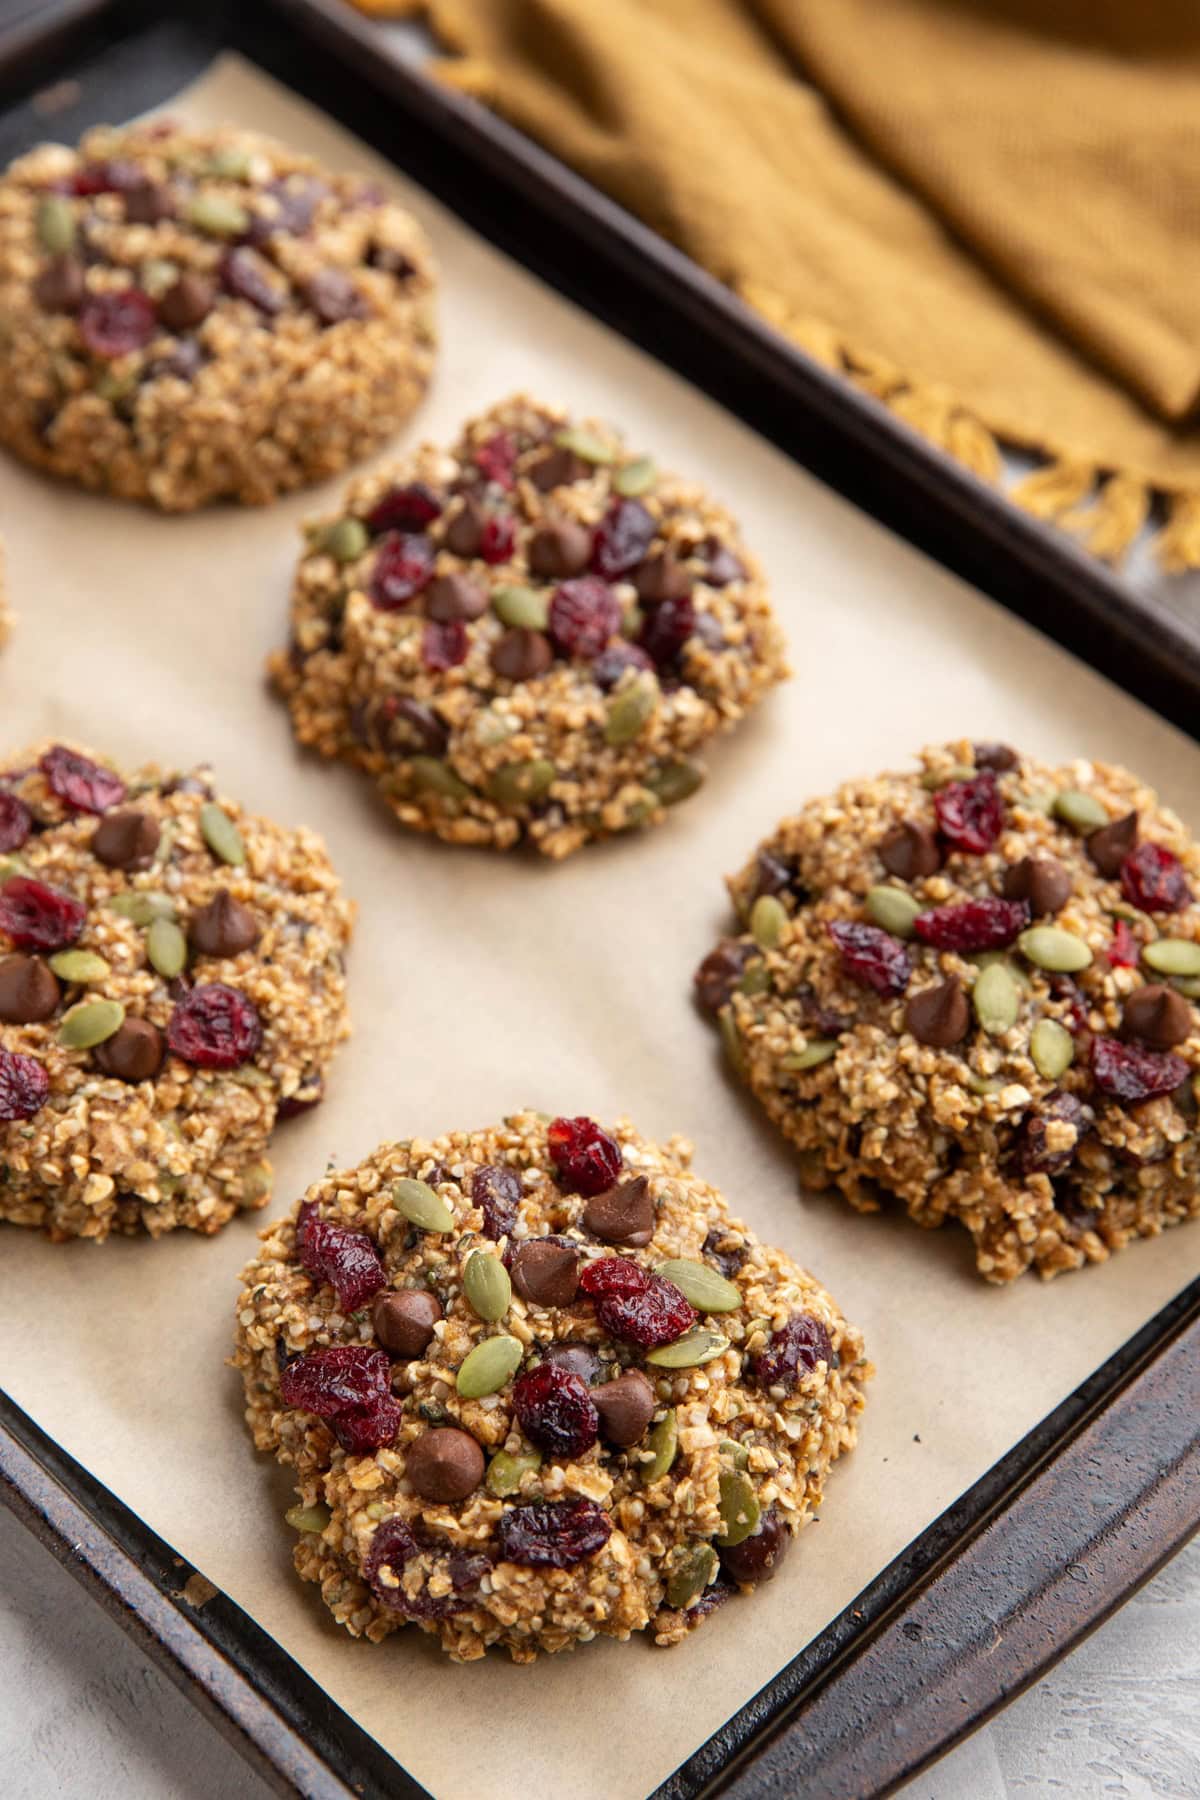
x,y
623,1214
1042,881
1109,846
404,1320
661,577
224,927
455,597
464,531
559,548
521,655
60,287
626,1407
997,757
188,303
939,1016
334,297
726,1253
147,203
772,875
546,1273
1158,1016
444,1465
723,565
399,721
910,851
126,839
133,1053
29,991
558,468
391,261
578,1358
720,973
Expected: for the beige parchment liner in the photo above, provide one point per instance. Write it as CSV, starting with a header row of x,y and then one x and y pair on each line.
x,y
478,983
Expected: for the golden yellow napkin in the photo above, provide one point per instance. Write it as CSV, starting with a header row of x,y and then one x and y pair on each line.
x,y
985,211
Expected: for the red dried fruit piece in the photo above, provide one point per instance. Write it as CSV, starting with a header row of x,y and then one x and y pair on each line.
x,y
797,1346
872,956
394,1547
403,567
444,643
497,1194
586,1160
1033,1156
247,276
973,924
622,538
970,814
497,536
368,1427
667,629
612,663
496,458
634,1305
1125,950
215,1027
116,176
406,508
553,1534
79,782
24,1086
113,324
555,1411
1129,1072
348,1260
1152,879
37,917
584,614
338,1378
16,822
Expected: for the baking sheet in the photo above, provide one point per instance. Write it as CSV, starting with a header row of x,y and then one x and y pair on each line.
x,y
480,983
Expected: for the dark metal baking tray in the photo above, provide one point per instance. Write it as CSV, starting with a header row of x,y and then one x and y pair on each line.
x,y
1088,1505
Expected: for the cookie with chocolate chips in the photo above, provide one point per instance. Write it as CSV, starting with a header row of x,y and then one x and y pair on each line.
x,y
974,988
171,983
195,315
536,1386
526,638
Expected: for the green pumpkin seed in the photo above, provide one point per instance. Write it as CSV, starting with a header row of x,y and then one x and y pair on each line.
x,y
996,999
12,865
639,813
631,710
768,921
344,540
421,1205
586,444
437,777
308,1518
708,1291
157,275
258,1183
1173,956
222,835
983,1085
815,1052
1051,1048
673,782
739,1507
1187,985
894,909
756,980
636,477
507,1468
734,1452
691,1575
486,1285
1049,947
55,225
490,1364
230,163
217,214
1040,802
1083,812
522,608
693,1349
731,1041
986,959
662,1440
90,1023
521,783
492,728
80,966
166,948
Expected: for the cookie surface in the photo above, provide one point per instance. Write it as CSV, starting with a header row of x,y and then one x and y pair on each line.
x,y
528,636
193,316
972,988
505,1426
171,983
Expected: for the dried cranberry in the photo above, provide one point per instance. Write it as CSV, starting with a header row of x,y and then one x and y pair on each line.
x,y
612,663
1125,950
403,566
16,822
872,956
723,565
799,1345
338,1378
444,643
1152,879
667,629
116,176
555,1411
970,815
497,1194
586,1160
584,614
622,538
496,458
634,1305
553,1534
333,297
79,782
1129,1073
367,1427
728,1261
1065,989
346,1259
113,324
972,924
394,1546
215,1027
37,917
496,537
24,1085
1033,1155
246,276
406,508
757,1558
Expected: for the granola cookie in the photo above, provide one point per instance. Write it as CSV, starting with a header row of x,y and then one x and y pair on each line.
x,y
537,1386
526,637
971,987
171,984
193,316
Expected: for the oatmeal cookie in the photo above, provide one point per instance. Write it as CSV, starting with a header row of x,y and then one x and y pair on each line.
x,y
971,987
526,637
537,1387
171,984
192,316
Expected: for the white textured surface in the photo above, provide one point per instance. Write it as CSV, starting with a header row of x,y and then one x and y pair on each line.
x,y
83,1712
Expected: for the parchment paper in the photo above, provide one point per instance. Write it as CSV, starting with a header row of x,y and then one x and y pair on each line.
x,y
480,983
